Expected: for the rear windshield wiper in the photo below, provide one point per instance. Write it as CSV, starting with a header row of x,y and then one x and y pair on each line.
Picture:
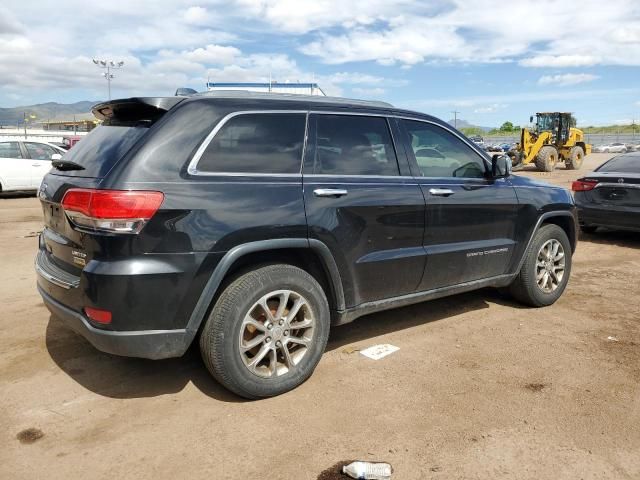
x,y
66,165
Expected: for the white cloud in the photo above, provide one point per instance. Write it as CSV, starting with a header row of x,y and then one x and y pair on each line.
x,y
559,61
369,92
491,108
566,79
197,16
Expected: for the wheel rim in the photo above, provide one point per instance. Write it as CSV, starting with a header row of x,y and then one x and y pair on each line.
x,y
276,333
550,266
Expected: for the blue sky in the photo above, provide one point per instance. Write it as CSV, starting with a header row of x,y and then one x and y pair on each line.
x,y
491,61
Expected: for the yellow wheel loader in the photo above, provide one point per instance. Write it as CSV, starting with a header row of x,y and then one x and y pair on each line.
x,y
553,139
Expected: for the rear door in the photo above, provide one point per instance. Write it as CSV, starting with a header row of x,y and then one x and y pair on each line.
x,y
364,205
15,171
470,218
40,155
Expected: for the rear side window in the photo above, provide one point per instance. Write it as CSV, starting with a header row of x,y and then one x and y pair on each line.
x,y
10,150
101,149
622,164
353,145
256,143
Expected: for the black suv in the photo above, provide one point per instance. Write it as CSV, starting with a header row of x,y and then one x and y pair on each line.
x,y
256,221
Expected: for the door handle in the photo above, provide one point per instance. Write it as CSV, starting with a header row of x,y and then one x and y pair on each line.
x,y
35,164
329,192
441,192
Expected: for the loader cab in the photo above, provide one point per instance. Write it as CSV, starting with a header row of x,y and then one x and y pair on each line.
x,y
557,123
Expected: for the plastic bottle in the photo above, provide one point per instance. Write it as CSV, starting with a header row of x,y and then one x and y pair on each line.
x,y
368,471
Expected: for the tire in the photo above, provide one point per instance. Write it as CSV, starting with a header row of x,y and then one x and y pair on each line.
x,y
525,288
576,156
547,159
588,228
220,340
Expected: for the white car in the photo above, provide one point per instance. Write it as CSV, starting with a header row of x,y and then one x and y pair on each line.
x,y
23,164
614,148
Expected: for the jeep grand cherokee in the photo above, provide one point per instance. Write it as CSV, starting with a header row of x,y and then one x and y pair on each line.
x,y
255,222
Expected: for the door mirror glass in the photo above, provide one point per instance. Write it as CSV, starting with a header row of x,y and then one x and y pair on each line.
x,y
531,119
56,156
501,166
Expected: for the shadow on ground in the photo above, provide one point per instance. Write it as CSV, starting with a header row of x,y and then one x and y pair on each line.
x,y
122,377
619,238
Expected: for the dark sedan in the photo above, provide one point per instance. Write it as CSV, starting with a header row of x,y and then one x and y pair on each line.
x,y
610,195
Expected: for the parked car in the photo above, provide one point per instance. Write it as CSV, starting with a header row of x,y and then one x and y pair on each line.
x,y
614,148
478,140
632,147
23,164
610,195
216,217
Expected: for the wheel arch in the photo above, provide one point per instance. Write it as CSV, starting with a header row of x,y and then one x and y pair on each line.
x,y
565,219
311,255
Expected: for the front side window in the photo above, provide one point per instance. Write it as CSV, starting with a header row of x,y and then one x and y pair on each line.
x,y
439,153
353,145
39,151
257,143
10,150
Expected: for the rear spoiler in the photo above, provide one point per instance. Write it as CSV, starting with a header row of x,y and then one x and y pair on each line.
x,y
129,111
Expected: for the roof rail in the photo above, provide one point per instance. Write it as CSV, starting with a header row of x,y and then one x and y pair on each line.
x,y
295,97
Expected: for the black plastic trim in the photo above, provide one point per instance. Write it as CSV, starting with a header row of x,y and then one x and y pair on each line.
x,y
210,289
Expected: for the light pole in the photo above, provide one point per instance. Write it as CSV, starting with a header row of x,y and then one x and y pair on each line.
x,y
108,65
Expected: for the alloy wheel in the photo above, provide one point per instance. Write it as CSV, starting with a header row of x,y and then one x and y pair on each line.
x,y
276,333
550,265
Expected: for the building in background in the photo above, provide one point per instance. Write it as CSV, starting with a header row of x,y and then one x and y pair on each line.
x,y
275,87
72,125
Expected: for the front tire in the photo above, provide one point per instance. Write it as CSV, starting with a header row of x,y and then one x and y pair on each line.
x,y
546,268
266,332
547,159
576,156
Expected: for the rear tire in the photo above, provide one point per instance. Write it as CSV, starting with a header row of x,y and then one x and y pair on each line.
x,y
547,159
266,332
576,156
550,251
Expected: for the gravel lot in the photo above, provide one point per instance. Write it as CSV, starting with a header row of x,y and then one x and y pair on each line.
x,y
480,388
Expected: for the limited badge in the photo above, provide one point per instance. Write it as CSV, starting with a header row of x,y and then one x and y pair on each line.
x,y
79,257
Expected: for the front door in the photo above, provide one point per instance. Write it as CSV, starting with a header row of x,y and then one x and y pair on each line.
x,y
362,202
40,155
470,218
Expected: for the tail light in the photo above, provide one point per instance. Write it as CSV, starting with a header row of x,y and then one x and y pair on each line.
x,y
111,211
583,185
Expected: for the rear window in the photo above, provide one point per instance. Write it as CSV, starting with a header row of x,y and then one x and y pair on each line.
x,y
257,143
622,164
101,149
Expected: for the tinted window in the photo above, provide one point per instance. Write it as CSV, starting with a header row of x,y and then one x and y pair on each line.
x,y
622,164
10,150
101,149
257,143
439,153
39,151
353,145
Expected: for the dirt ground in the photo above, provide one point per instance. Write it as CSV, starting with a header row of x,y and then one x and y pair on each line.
x,y
480,388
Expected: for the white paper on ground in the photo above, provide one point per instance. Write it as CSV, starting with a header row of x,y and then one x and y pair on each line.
x,y
376,352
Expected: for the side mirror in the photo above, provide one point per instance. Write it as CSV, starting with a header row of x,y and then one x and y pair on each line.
x,y
531,119
501,166
55,156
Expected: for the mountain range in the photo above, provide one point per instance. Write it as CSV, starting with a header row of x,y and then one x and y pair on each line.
x,y
464,124
46,111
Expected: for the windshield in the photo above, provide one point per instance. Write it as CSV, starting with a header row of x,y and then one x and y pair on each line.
x,y
546,122
100,150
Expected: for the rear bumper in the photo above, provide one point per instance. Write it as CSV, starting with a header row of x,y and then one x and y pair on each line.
x,y
154,344
626,218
